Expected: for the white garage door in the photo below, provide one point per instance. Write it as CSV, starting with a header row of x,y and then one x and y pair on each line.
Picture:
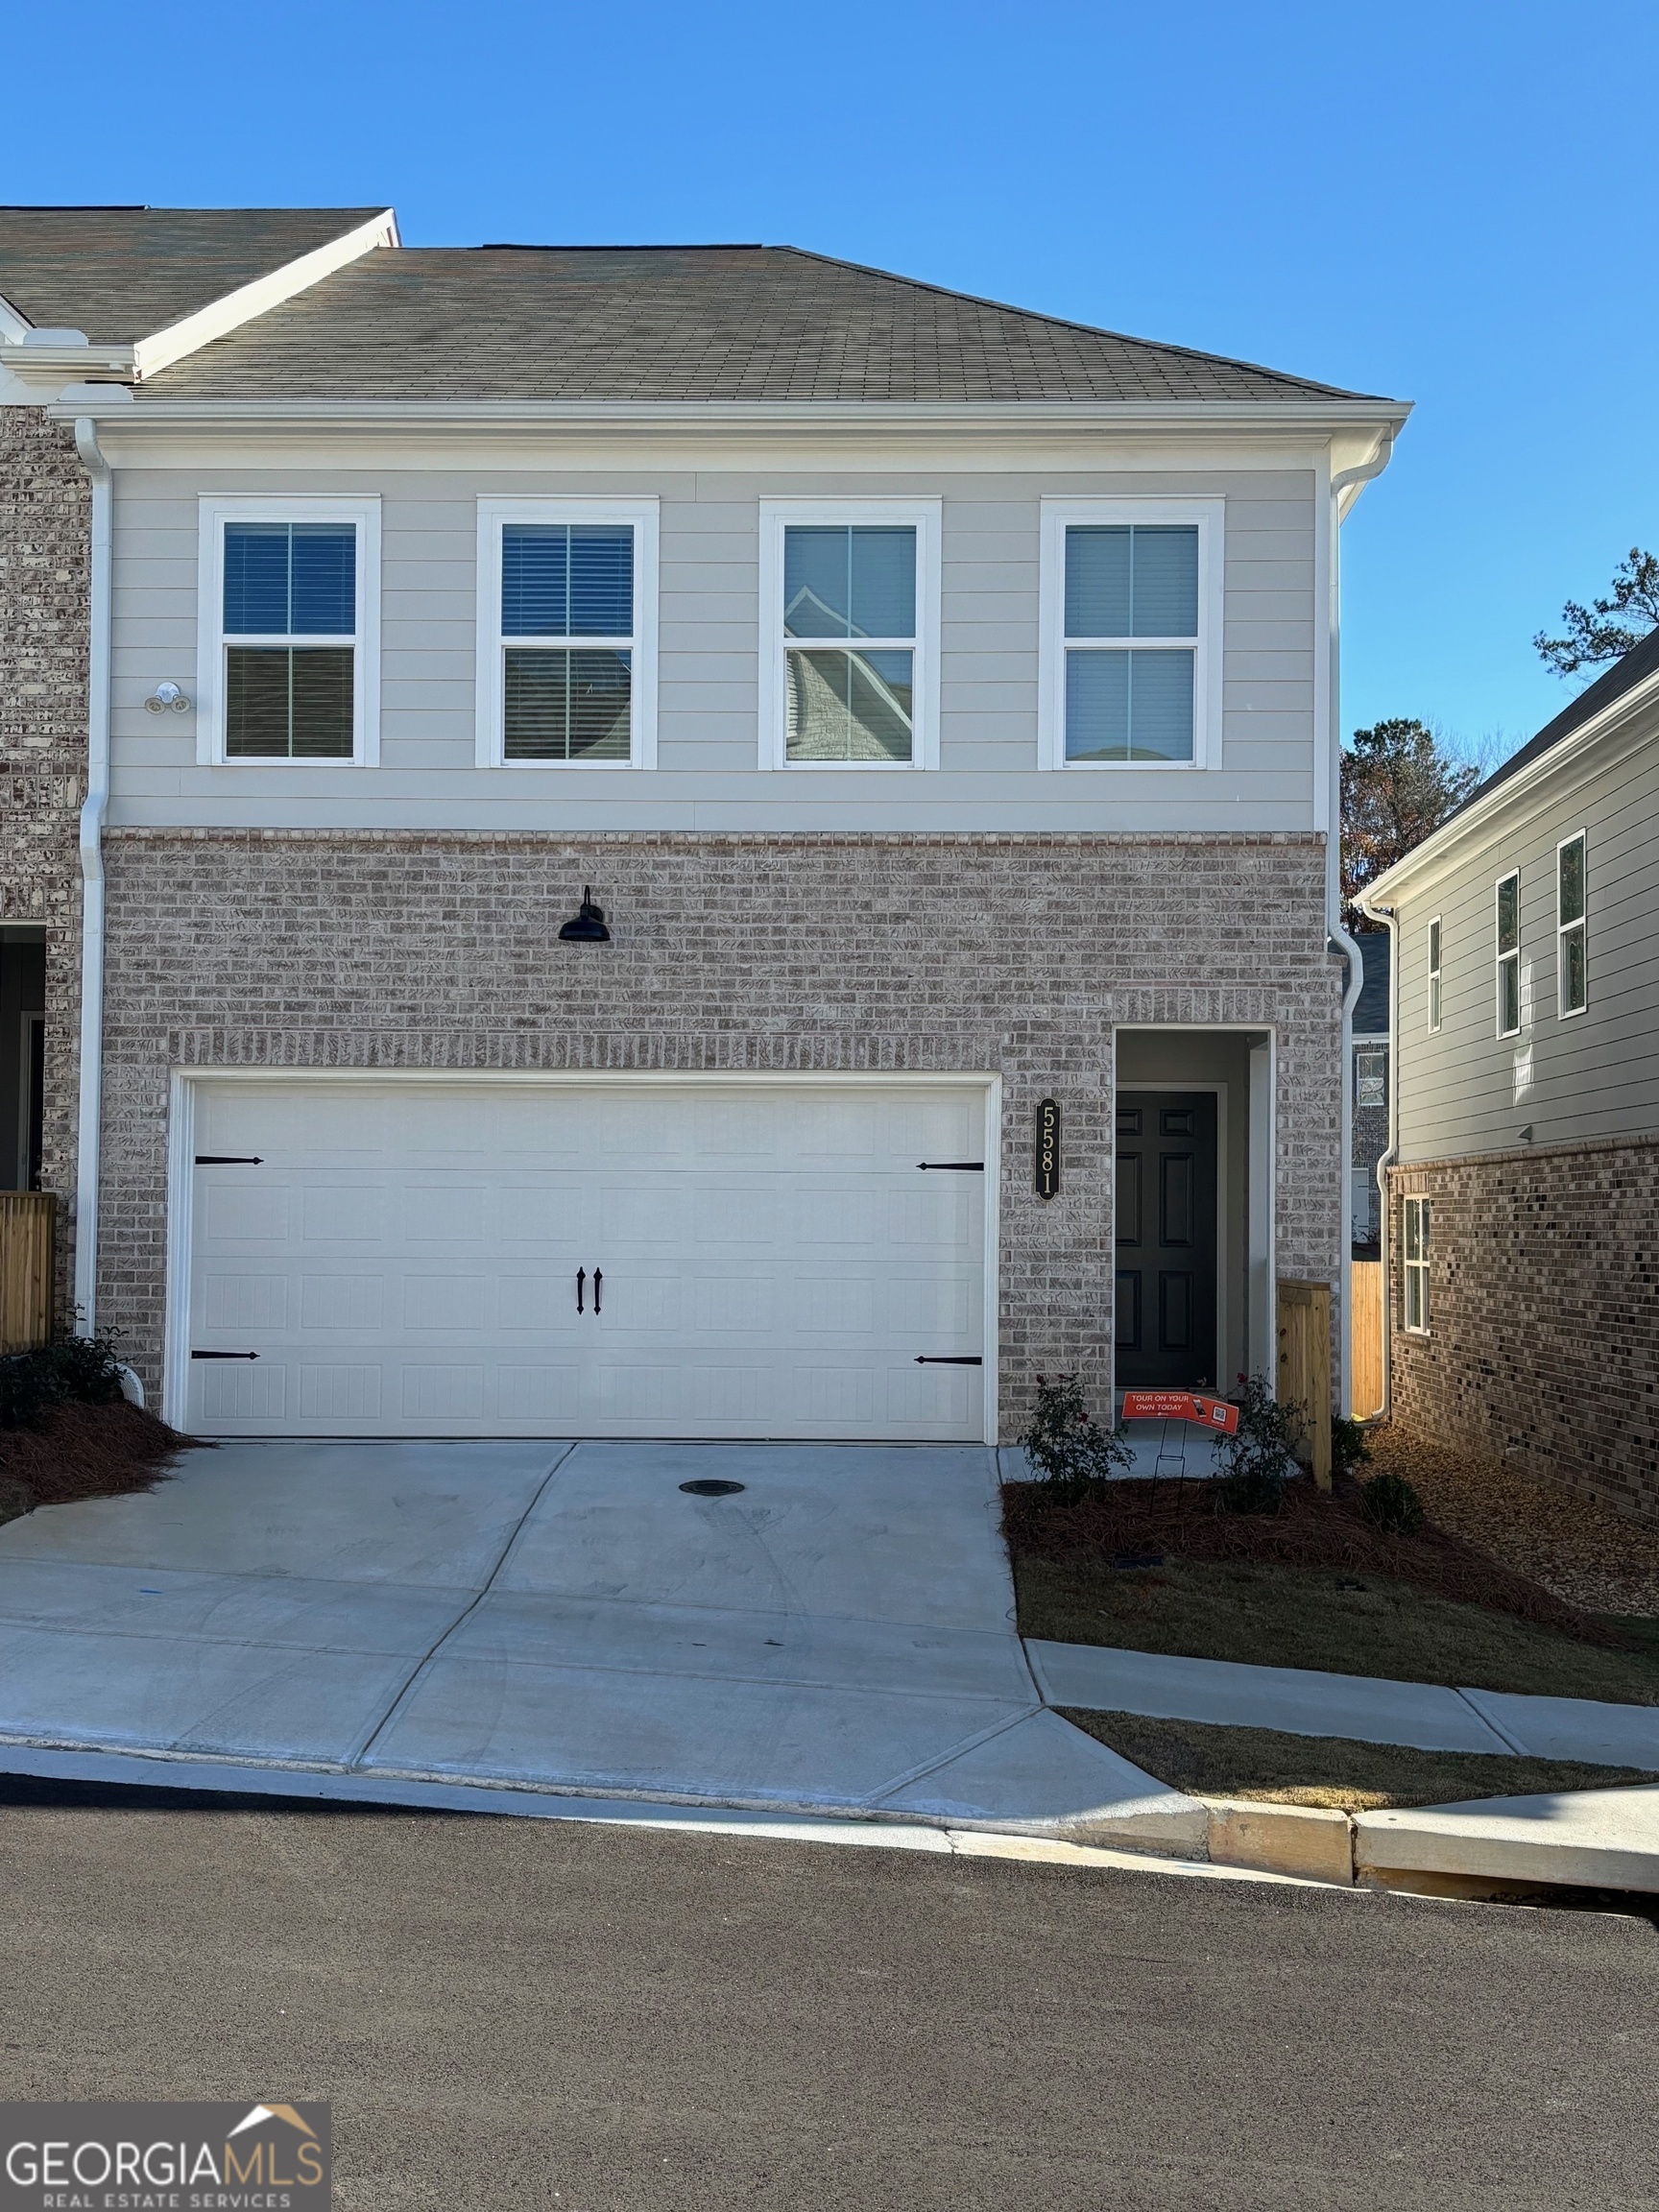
x,y
622,1258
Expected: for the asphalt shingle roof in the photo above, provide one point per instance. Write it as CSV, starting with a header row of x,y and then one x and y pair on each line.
x,y
677,323
120,274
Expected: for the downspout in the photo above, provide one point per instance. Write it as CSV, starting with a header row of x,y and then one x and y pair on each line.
x,y
1390,915
92,813
1342,481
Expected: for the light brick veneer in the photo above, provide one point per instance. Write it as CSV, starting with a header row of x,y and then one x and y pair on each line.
x,y
1009,954
1544,1313
45,535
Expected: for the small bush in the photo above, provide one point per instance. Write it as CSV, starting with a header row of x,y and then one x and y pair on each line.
x,y
76,1370
1349,1449
1072,1454
1389,1502
1256,1463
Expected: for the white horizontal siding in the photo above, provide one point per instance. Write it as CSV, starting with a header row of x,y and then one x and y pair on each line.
x,y
708,664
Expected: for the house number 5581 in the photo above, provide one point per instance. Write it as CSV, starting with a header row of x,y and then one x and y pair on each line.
x,y
1048,1163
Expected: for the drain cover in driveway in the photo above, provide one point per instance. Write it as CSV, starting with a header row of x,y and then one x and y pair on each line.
x,y
708,1488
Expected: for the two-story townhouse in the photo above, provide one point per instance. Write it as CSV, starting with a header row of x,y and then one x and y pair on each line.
x,y
1523,1216
91,299
749,854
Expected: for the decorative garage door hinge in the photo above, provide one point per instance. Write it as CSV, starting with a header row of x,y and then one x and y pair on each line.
x,y
966,1166
229,1159
224,1355
949,1360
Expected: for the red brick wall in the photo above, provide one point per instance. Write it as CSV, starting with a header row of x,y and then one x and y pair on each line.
x,y
1544,1313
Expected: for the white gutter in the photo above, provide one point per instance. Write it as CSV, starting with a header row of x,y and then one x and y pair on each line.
x,y
1345,481
1389,915
92,887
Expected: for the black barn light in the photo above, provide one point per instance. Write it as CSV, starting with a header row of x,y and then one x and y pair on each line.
x,y
587,927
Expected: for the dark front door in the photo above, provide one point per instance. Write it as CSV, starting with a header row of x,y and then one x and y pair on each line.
x,y
1165,1324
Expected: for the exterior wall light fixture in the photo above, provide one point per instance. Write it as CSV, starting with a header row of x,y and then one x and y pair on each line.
x,y
586,927
167,698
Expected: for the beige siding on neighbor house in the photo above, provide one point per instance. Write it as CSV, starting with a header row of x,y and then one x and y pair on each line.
x,y
707,775
1593,1075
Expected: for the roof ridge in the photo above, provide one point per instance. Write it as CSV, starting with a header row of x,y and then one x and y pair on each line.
x,y
1068,323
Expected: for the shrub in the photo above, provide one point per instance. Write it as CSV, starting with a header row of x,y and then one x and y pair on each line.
x,y
1256,1463
1072,1454
75,1370
1349,1449
1389,1502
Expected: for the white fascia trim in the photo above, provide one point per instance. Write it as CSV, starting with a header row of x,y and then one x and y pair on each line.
x,y
1442,844
1210,517
215,511
1042,417
644,515
926,517
249,301
14,327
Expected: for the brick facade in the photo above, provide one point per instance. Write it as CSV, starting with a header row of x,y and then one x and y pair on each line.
x,y
46,537
1544,1313
1009,954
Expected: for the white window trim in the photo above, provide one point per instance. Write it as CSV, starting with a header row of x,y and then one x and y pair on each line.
x,y
1563,1011
1057,515
926,517
1500,959
644,516
1377,1047
1436,946
1411,1267
214,513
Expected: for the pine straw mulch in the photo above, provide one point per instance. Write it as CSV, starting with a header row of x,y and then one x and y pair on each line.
x,y
1584,1552
76,1452
1136,1518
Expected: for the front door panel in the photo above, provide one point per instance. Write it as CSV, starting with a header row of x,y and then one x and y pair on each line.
x,y
1165,1240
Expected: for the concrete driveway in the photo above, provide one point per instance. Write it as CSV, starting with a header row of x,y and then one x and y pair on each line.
x,y
836,1636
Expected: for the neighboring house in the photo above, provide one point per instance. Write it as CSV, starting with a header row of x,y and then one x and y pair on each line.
x,y
749,853
1525,1194
1369,1075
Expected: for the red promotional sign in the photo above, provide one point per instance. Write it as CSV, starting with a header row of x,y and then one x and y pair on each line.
x,y
1212,1414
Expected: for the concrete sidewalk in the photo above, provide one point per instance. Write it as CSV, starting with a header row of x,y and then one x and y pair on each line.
x,y
1301,1701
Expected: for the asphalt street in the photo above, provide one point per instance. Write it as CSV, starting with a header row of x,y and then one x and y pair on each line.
x,y
524,2014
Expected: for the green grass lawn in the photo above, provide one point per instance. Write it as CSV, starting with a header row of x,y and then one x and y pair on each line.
x,y
1302,1617
1329,1770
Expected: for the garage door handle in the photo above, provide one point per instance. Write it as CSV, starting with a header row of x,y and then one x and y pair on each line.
x,y
224,1355
581,1278
949,1360
598,1279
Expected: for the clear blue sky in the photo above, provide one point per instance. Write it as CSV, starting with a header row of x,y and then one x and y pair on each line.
x,y
1445,202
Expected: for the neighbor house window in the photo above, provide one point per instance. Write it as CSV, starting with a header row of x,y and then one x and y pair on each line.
x,y
288,668
1371,1075
1415,1249
1507,921
1571,963
1131,597
567,633
1434,973
850,624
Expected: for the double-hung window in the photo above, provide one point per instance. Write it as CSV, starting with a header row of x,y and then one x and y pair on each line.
x,y
567,633
1371,1075
1131,650
1434,973
288,666
849,634
1414,1255
1506,924
1572,960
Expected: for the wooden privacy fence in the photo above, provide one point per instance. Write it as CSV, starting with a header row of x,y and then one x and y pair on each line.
x,y
1366,1336
28,1261
1305,1369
